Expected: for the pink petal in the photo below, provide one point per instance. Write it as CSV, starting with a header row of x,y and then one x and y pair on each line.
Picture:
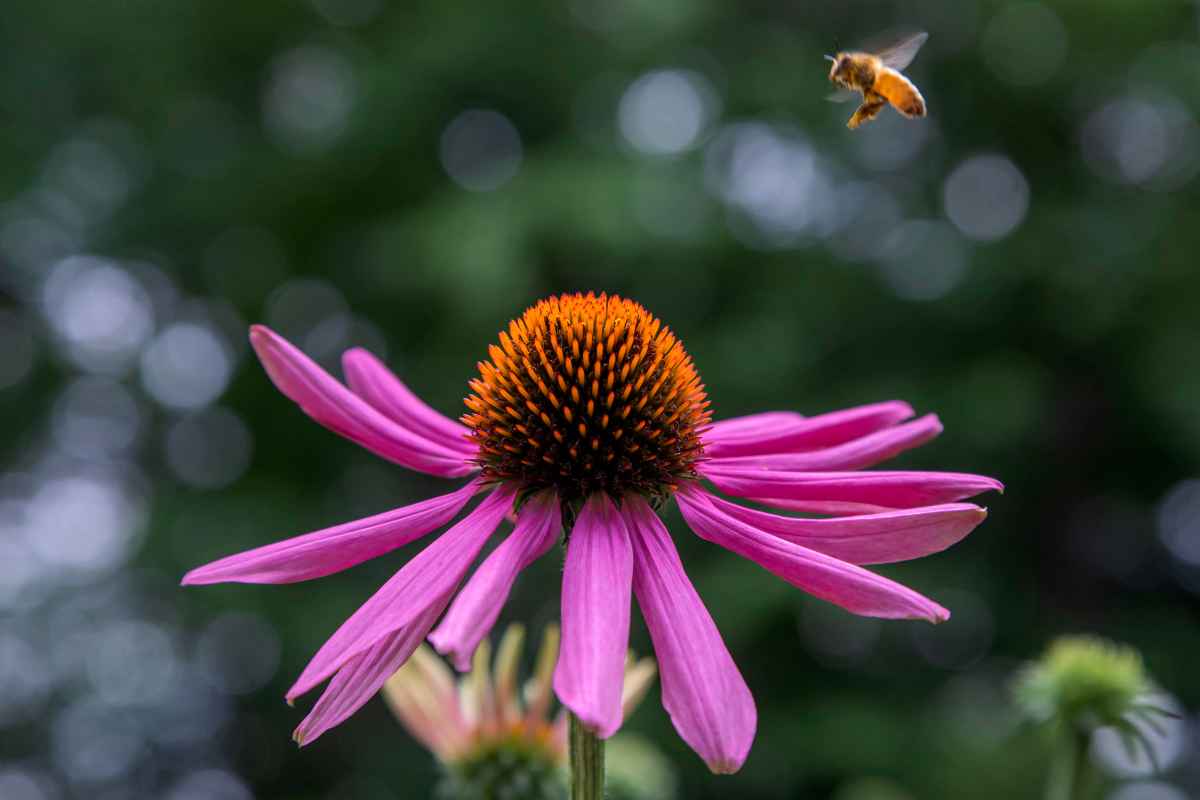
x,y
872,490
866,451
425,582
853,588
372,381
362,676
597,580
750,425
773,434
833,508
423,695
474,610
324,552
333,405
866,539
702,689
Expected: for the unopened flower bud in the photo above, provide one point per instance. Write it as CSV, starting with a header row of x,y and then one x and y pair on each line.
x,y
1084,683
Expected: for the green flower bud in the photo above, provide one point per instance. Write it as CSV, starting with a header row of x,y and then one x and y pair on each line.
x,y
1084,682
504,770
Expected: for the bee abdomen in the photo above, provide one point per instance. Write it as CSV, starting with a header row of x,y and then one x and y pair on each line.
x,y
900,92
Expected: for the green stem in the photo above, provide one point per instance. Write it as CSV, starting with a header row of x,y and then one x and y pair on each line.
x,y
1069,773
587,763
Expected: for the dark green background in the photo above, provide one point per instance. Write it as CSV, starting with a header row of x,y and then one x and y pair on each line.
x,y
1063,357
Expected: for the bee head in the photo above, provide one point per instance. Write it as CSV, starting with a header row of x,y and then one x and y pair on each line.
x,y
838,66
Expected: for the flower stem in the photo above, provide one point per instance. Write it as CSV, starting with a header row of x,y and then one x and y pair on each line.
x,y
1069,773
587,763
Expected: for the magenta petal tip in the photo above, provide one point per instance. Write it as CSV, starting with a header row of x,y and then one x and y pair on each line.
x,y
199,576
724,767
446,646
259,335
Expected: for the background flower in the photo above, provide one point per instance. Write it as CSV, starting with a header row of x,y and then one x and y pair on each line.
x,y
499,738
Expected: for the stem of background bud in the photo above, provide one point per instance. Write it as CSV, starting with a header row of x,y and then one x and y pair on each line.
x,y
587,763
1069,774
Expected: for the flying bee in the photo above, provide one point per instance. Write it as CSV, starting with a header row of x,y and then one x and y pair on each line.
x,y
876,76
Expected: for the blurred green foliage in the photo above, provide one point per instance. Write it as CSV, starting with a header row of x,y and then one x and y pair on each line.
x,y
273,141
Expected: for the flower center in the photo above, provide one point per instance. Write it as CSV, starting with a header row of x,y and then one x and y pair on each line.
x,y
588,393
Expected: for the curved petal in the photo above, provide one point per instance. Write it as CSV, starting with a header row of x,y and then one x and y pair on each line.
x,y
475,609
597,580
362,676
539,691
477,694
853,588
872,490
371,380
324,552
425,582
865,451
750,425
702,689
773,434
866,539
333,405
508,658
833,508
424,697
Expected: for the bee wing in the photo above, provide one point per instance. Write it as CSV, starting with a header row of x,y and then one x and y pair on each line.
x,y
900,54
841,96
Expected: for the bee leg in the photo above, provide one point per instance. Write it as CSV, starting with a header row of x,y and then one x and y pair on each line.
x,y
871,106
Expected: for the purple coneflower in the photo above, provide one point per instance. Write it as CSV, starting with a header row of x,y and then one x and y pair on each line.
x,y
588,417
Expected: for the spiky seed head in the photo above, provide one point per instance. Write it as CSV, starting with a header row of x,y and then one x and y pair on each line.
x,y
588,393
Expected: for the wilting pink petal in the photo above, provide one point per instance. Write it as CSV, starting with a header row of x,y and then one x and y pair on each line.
x,y
333,405
873,490
507,663
595,617
425,582
424,696
702,689
320,553
362,676
865,451
371,380
772,434
474,610
866,539
853,588
540,689
422,717
478,693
